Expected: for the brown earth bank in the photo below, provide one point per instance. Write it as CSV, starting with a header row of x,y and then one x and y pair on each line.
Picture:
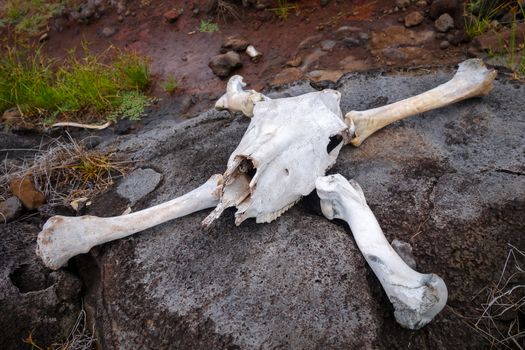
x,y
450,182
314,41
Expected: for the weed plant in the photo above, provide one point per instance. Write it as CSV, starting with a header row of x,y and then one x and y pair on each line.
x,y
85,89
29,17
170,84
208,26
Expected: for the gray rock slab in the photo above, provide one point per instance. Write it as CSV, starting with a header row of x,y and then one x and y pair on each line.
x,y
451,182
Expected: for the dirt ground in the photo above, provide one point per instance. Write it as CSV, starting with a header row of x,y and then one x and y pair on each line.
x,y
179,49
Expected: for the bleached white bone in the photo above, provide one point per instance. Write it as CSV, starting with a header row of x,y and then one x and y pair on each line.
x,y
238,100
471,80
289,143
253,53
285,147
64,237
416,297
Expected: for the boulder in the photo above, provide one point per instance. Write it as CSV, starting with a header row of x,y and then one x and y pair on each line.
x,y
33,299
448,181
223,65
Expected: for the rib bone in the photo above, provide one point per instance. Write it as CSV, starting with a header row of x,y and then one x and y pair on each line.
x,y
416,297
472,79
238,100
64,237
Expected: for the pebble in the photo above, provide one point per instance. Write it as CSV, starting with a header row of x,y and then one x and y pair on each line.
x,y
413,19
24,190
444,23
10,209
444,45
108,31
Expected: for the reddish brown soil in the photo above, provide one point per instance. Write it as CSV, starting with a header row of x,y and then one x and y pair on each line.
x,y
180,50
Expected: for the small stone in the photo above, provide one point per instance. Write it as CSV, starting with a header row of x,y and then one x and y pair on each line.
x,y
413,19
421,3
295,62
138,184
172,15
327,45
24,189
400,19
402,3
120,18
404,250
444,45
10,209
127,13
108,31
223,65
235,43
444,23
195,12
186,103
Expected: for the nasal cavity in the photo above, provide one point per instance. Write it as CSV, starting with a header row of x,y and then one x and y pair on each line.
x,y
247,168
334,142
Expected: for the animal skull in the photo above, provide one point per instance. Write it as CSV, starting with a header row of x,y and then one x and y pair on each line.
x,y
281,154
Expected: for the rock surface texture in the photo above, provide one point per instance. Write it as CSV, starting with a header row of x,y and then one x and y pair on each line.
x,y
450,182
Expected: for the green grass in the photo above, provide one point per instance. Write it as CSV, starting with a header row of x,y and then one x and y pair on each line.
x,y
170,84
475,25
208,26
29,17
85,89
283,9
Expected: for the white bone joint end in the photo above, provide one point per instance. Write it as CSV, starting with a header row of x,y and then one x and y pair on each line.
x,y
64,237
416,297
236,99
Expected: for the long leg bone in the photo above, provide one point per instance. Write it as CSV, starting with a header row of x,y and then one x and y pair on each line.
x,y
64,237
416,297
238,100
472,79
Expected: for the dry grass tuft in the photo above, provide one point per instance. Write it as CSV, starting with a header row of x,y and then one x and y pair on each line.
x,y
68,171
500,317
79,338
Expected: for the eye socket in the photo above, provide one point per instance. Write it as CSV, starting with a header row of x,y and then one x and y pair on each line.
x,y
335,141
287,171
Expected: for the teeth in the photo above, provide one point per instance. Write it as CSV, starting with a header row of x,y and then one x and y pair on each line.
x,y
272,216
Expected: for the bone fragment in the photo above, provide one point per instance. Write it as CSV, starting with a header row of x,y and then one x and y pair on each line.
x,y
472,79
64,237
83,126
238,100
253,53
416,297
